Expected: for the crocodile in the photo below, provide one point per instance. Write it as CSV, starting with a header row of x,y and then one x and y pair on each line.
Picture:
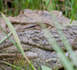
x,y
33,41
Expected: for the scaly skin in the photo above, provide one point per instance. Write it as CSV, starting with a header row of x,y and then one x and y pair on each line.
x,y
34,43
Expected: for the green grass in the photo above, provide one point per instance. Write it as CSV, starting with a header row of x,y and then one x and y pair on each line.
x,y
68,7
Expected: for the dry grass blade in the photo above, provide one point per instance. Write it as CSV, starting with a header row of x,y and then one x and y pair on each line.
x,y
1,41
13,66
19,47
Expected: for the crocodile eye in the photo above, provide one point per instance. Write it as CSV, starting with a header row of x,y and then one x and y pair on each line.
x,y
36,40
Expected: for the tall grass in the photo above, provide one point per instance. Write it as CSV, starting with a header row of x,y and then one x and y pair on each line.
x,y
67,6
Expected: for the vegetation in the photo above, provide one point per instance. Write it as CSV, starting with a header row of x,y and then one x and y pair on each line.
x,y
12,7
68,7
